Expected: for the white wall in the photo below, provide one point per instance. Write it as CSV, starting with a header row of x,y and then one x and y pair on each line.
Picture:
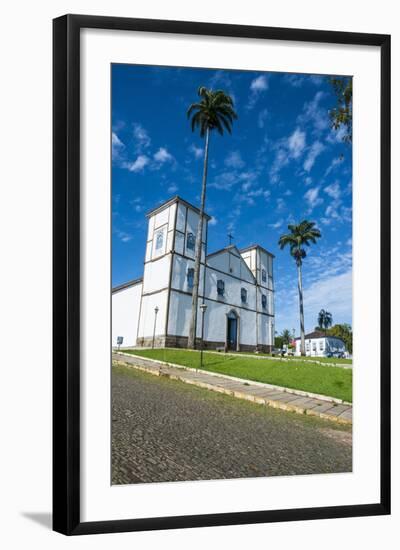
x,y
231,262
27,504
179,274
147,314
125,314
321,345
156,274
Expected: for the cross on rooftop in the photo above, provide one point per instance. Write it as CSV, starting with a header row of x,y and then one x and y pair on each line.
x,y
230,237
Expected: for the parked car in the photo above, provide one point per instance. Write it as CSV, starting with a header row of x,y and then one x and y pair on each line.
x,y
277,351
337,354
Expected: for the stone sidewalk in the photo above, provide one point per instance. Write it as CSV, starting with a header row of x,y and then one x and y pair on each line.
x,y
280,398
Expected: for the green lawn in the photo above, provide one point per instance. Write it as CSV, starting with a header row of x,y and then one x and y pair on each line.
x,y
332,381
320,359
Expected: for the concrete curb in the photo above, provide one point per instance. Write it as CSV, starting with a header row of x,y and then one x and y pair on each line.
x,y
260,356
284,400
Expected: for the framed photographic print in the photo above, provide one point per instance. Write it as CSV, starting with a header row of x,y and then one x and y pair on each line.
x,y
221,274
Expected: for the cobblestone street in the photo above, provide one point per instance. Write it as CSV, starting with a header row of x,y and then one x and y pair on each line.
x,y
165,430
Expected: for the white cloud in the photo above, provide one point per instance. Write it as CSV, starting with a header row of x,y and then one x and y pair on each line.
x,y
262,117
141,137
296,143
314,114
314,151
280,204
173,188
137,165
317,295
276,225
196,151
220,78
213,221
336,136
234,160
123,236
295,80
259,84
281,159
257,192
335,162
225,181
266,194
162,155
312,197
333,190
117,147
298,80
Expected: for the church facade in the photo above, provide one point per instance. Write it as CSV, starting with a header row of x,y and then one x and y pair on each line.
x,y
237,286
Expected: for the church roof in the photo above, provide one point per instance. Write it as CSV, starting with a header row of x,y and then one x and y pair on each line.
x,y
232,249
171,201
133,282
317,334
252,246
225,249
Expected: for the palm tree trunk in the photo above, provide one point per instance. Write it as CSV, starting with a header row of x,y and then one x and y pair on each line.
x,y
300,287
198,249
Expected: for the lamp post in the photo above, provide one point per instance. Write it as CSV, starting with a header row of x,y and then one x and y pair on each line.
x,y
155,322
203,308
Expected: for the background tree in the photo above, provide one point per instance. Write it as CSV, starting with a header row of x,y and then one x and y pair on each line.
x,y
324,320
279,342
344,332
342,115
286,336
213,112
300,236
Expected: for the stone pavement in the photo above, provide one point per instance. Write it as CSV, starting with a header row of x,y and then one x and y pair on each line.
x,y
263,394
164,430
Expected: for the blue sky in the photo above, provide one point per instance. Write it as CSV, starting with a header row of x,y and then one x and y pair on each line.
x,y
281,164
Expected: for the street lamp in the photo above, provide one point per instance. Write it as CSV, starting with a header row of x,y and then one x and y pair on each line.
x,y
203,308
156,310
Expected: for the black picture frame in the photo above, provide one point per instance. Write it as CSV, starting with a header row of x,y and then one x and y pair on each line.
x,y
66,272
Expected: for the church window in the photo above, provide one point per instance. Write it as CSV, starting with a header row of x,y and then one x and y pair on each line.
x,y
190,241
190,277
263,276
220,287
159,240
243,295
264,301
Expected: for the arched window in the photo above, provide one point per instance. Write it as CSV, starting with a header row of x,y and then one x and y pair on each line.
x,y
190,277
220,287
190,241
243,295
264,301
263,276
159,240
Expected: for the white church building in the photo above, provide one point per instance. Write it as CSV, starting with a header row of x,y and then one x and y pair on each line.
x,y
236,286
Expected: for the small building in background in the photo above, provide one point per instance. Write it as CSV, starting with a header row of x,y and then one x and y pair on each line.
x,y
319,344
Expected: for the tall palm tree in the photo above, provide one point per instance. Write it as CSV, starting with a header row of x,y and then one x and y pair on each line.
x,y
324,320
214,111
300,236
